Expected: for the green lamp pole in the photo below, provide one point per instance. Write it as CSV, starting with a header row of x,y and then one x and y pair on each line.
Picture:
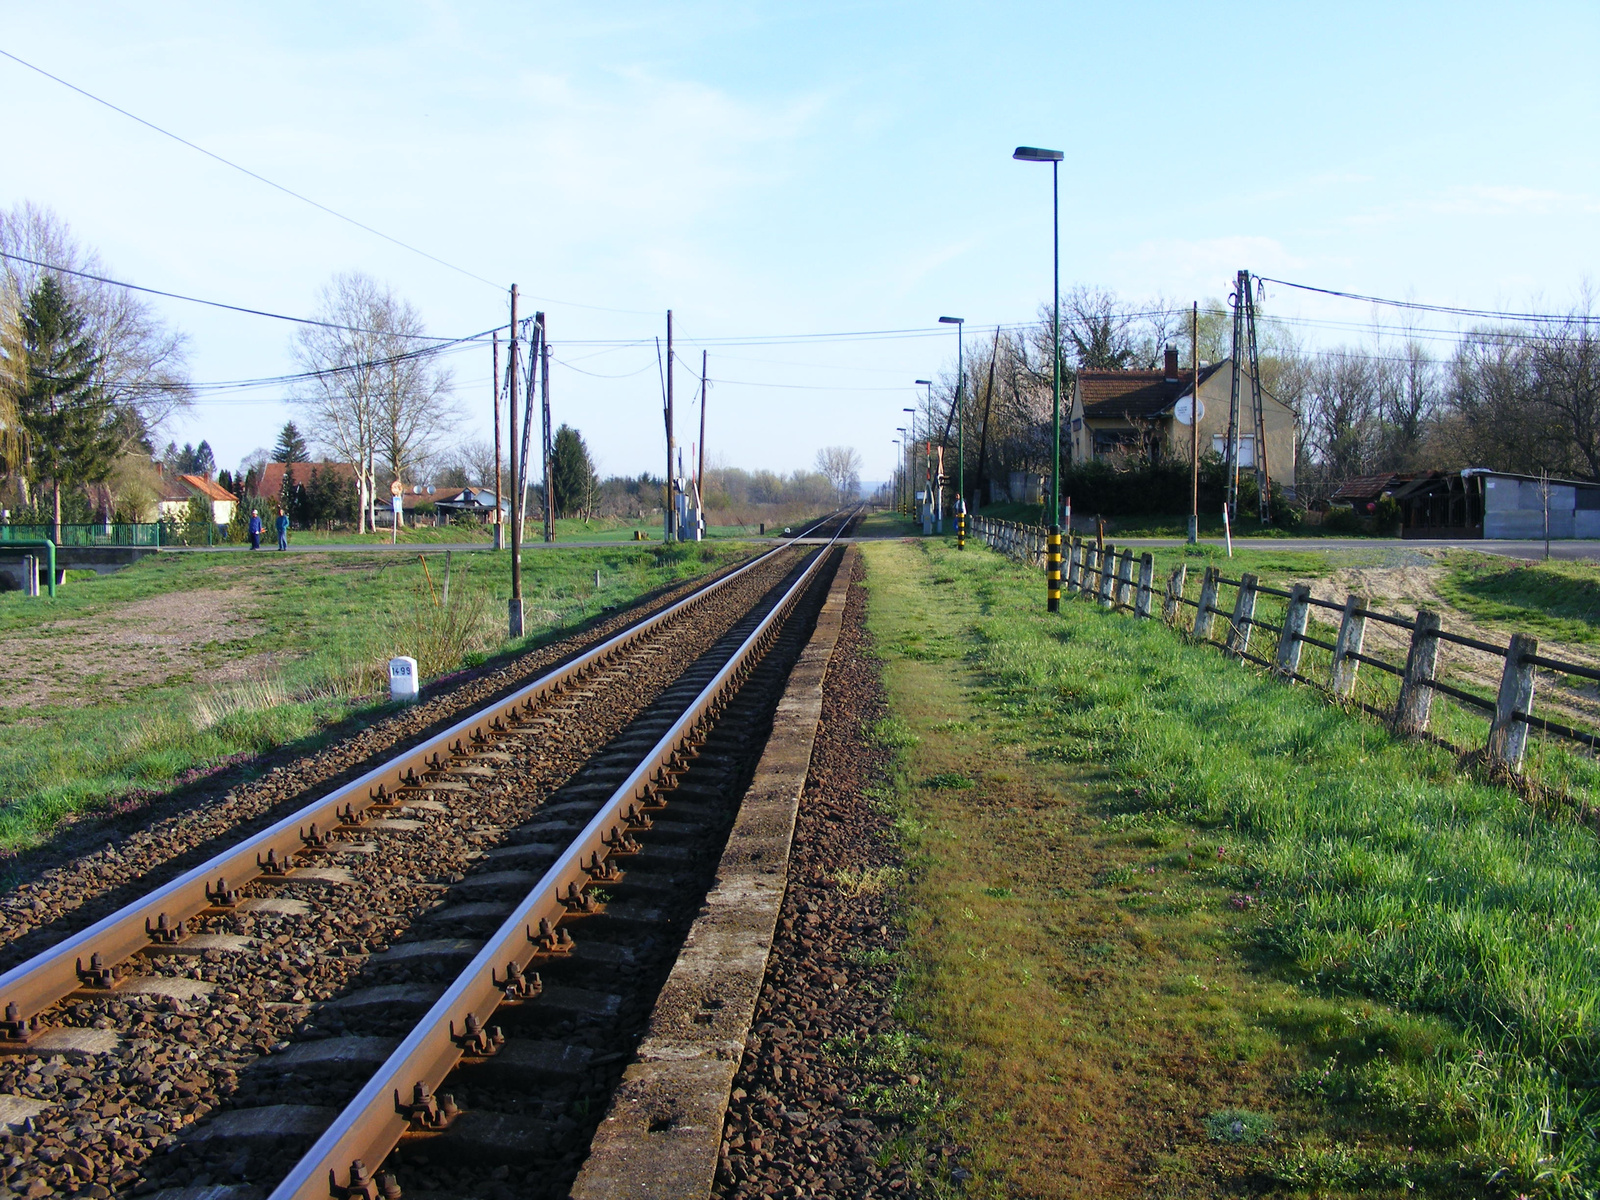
x,y
961,459
1053,558
922,458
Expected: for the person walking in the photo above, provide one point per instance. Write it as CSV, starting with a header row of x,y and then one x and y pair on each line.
x,y
283,530
255,529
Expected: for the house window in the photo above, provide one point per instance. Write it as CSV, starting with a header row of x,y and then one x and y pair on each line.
x,y
1247,448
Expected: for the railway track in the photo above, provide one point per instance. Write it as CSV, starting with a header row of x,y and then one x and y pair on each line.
x,y
451,955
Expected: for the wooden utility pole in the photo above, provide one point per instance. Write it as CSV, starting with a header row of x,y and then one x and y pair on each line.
x,y
700,473
499,524
515,604
671,530
1194,426
544,394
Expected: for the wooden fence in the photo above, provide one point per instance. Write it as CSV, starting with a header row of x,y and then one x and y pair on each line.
x,y
1116,580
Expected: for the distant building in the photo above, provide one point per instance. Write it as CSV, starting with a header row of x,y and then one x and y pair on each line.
x,y
1148,412
270,484
1479,503
178,490
474,500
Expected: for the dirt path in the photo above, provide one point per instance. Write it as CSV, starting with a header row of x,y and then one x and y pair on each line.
x,y
1402,590
143,643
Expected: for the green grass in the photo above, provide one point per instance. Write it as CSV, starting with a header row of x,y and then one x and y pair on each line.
x,y
1555,599
1159,525
1432,938
290,646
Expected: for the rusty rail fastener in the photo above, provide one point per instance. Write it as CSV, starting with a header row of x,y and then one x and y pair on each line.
x,y
517,986
164,933
475,1039
98,975
426,1110
363,1186
222,896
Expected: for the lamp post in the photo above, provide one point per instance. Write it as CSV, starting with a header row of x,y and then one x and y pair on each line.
x,y
904,442
899,453
1053,558
961,458
918,469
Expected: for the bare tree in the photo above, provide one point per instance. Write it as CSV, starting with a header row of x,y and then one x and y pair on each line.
x,y
375,399
143,366
842,467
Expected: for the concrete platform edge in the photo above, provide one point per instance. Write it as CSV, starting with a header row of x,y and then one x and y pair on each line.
x,y
661,1136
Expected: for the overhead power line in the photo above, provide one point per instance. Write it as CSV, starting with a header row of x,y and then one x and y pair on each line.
x,y
253,174
254,312
1482,313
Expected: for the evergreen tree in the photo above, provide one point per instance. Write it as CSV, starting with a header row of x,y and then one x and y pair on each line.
x,y
204,462
71,426
291,447
571,472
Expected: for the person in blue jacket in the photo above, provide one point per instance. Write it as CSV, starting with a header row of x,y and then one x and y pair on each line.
x,y
255,530
283,530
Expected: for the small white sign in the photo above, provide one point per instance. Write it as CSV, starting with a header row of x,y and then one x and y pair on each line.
x,y
1182,410
395,503
403,678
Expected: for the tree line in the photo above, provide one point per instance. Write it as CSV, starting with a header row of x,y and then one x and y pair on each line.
x,y
1518,397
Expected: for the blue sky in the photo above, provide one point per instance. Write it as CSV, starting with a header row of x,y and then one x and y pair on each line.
x,y
789,169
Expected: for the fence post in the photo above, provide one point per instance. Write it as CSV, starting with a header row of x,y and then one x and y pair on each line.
x,y
1415,705
1175,586
1074,551
1091,565
1508,736
1294,628
1244,613
1352,633
30,575
1208,601
1108,575
1121,597
1147,578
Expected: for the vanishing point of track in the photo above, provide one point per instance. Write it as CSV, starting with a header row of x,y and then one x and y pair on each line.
x,y
497,906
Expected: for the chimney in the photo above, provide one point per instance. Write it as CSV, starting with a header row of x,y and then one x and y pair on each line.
x,y
1172,365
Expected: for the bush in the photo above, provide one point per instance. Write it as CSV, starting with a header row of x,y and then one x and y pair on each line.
x,y
1386,520
1343,519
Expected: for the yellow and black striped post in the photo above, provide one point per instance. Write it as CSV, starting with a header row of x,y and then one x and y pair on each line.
x,y
1052,570
961,531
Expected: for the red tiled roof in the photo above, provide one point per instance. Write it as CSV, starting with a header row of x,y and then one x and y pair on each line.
x,y
1115,395
208,489
271,481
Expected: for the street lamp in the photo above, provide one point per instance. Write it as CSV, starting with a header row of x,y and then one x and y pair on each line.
x,y
915,456
904,442
961,458
1053,558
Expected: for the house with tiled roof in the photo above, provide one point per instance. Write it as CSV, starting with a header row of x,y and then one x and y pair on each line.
x,y
177,491
1148,413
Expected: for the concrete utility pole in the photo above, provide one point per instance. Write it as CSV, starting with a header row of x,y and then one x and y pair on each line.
x,y
499,525
670,532
514,606
544,394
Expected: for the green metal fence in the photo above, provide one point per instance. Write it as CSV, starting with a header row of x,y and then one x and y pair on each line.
x,y
99,534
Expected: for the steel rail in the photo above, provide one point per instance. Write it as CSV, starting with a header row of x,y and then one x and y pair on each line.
x,y
372,1124
92,955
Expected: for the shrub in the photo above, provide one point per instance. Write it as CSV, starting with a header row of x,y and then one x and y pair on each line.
x,y
1343,519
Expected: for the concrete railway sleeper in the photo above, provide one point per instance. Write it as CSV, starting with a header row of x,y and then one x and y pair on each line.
x,y
251,988
127,1050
